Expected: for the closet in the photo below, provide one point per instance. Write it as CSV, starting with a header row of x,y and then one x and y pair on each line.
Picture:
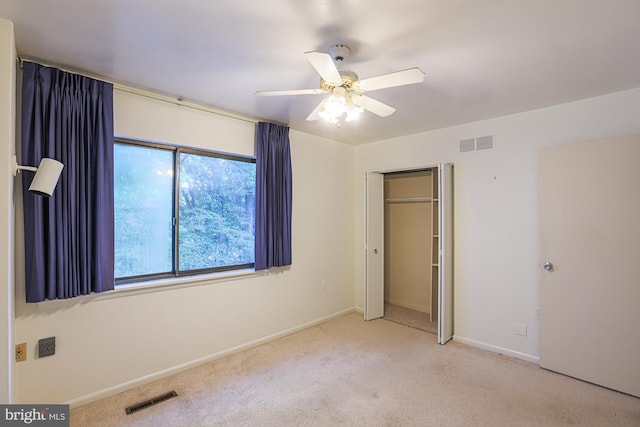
x,y
409,248
411,243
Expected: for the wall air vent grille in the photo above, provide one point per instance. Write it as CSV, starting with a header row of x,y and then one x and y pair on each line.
x,y
476,144
484,142
150,402
467,145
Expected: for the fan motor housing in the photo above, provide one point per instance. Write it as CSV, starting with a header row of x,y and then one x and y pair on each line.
x,y
348,79
339,52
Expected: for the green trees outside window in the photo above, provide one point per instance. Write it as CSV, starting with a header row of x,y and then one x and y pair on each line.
x,y
202,200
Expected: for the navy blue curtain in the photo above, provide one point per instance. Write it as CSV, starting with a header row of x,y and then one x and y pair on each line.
x,y
69,236
273,197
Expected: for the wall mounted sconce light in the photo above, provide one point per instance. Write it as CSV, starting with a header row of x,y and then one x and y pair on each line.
x,y
46,178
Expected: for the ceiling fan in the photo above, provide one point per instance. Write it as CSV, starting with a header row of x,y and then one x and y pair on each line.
x,y
346,91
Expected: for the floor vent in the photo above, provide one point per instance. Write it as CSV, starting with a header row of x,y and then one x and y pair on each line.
x,y
150,402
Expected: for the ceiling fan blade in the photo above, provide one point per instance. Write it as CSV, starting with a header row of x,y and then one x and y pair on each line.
x,y
324,65
290,92
370,104
314,114
399,78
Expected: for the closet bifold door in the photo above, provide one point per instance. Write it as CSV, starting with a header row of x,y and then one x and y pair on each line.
x,y
445,252
374,246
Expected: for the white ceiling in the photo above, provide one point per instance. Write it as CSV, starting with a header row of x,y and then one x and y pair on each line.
x,y
482,58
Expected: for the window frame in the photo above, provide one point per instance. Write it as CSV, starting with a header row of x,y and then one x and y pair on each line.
x,y
175,272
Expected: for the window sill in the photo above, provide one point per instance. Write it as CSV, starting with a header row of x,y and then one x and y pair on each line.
x,y
179,282
151,286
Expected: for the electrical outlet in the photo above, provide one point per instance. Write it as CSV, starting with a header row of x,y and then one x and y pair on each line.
x,y
47,347
21,352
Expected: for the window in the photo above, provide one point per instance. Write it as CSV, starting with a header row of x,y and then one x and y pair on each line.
x,y
181,211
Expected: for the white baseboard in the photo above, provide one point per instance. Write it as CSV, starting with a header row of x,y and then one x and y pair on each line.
x,y
496,349
111,391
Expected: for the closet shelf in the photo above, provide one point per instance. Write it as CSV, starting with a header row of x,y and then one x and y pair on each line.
x,y
409,200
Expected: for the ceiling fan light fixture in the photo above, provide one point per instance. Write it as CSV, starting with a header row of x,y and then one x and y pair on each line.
x,y
333,108
335,105
338,105
327,117
353,112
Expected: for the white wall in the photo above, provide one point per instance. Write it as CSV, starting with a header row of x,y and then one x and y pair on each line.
x,y
7,137
496,209
108,342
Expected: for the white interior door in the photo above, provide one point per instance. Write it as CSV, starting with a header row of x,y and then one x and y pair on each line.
x,y
590,295
445,256
374,247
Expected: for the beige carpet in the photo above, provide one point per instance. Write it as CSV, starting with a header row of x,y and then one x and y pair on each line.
x,y
356,373
411,318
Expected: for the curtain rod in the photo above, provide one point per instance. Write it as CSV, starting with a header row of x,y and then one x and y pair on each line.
x,y
182,103
148,94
